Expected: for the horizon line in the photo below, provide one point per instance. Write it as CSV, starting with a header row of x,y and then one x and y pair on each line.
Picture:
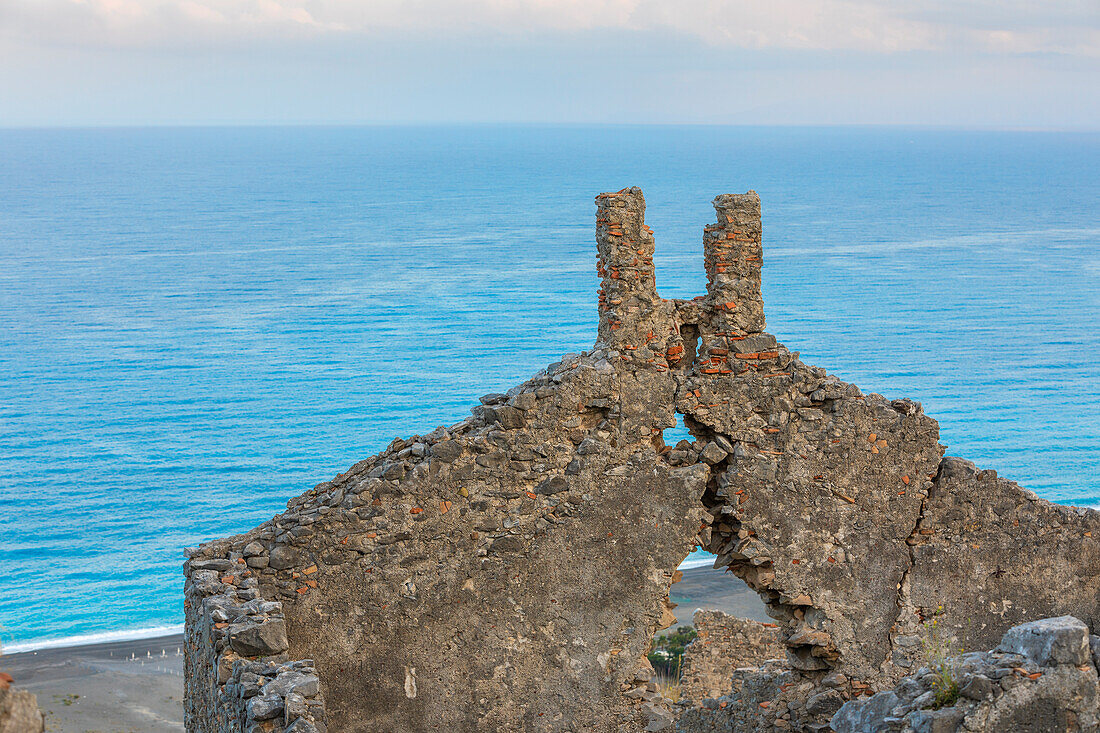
x,y
944,127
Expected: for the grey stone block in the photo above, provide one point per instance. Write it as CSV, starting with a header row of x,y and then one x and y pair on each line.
x,y
1049,641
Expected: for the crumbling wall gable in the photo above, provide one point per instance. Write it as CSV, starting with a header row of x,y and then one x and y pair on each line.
x,y
508,572
819,494
442,579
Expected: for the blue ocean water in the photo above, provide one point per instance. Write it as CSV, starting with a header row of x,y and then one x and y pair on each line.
x,y
198,324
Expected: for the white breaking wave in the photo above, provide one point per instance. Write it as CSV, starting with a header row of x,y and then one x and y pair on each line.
x,y
697,562
104,637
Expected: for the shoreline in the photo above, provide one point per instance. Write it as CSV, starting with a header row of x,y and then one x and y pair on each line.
x,y
53,661
93,639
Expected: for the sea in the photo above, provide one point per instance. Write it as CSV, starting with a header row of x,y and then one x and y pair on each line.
x,y
197,324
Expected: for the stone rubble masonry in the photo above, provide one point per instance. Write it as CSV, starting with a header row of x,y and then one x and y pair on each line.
x,y
1041,678
508,572
238,677
723,643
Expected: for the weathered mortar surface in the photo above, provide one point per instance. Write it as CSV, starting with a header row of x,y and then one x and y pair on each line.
x,y
723,643
508,572
1010,556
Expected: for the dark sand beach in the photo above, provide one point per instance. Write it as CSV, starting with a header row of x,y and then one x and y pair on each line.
x,y
137,686
118,687
709,589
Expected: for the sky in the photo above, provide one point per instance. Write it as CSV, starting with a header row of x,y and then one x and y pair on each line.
x,y
963,63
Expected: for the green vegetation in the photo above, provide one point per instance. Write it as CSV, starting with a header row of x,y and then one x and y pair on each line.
x,y
666,654
667,651
939,649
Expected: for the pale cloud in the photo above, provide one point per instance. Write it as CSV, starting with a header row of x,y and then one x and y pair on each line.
x,y
875,26
202,13
135,23
116,8
1030,63
791,24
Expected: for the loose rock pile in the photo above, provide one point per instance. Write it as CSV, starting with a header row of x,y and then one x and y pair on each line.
x,y
508,572
1041,678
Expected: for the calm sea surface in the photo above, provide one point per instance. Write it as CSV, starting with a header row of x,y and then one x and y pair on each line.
x,y
198,324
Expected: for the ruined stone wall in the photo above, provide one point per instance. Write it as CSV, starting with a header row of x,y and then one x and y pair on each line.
x,y
509,571
436,584
722,644
838,508
997,555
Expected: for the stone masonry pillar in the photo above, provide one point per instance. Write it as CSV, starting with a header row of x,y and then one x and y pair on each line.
x,y
734,339
733,255
628,290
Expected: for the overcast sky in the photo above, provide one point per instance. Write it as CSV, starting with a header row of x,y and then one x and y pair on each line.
x,y
990,63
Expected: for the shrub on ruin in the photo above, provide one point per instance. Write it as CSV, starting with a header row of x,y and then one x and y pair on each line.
x,y
939,652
